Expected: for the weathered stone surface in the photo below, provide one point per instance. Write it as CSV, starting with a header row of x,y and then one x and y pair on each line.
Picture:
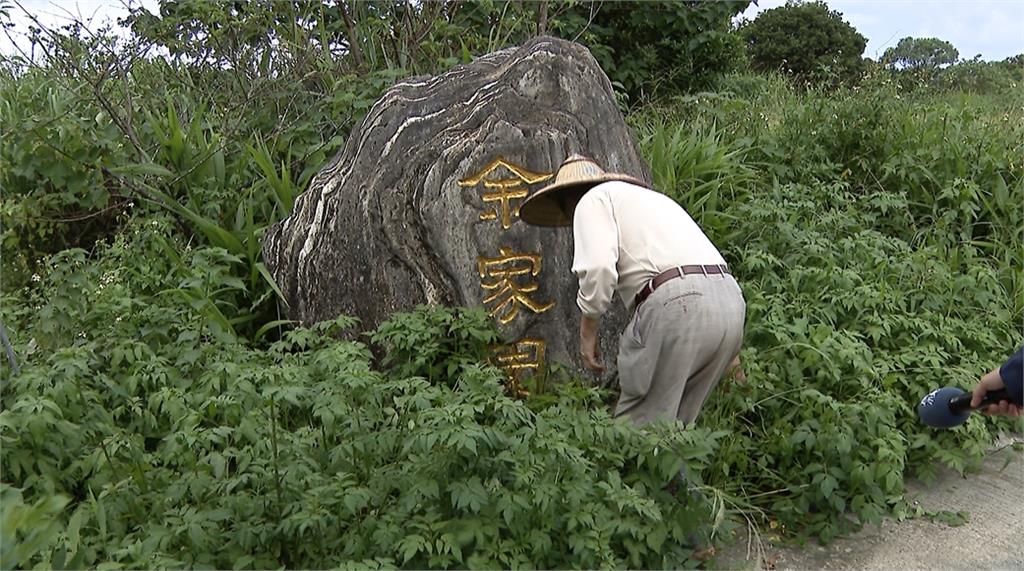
x,y
408,212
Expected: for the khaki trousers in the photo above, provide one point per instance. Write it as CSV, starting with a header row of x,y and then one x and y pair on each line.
x,y
677,347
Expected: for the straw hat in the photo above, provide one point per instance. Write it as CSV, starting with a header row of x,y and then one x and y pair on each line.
x,y
577,174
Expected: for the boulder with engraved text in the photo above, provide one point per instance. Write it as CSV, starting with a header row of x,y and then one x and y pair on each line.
x,y
421,205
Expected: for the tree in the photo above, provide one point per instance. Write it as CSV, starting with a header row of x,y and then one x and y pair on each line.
x,y
806,41
646,47
920,54
977,76
658,47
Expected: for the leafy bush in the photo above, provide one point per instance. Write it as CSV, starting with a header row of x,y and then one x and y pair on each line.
x,y
54,152
435,343
879,257
933,64
105,137
976,76
807,41
651,47
948,167
659,48
920,54
842,350
25,530
180,447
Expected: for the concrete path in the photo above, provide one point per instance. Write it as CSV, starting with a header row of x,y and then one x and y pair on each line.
x,y
992,538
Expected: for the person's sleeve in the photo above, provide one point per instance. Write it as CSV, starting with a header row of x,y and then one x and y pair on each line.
x,y
596,253
1011,373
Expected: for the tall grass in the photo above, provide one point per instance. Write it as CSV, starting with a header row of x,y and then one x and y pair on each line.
x,y
948,167
702,170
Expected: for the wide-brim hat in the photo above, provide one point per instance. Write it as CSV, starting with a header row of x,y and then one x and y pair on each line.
x,y
576,175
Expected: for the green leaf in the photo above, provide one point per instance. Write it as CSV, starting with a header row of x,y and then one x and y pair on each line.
x,y
270,281
142,169
217,235
266,327
656,537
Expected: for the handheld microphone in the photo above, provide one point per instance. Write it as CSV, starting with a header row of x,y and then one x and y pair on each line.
x,y
950,406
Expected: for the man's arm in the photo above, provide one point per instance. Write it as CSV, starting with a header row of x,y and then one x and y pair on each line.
x,y
595,257
1011,373
588,344
1008,376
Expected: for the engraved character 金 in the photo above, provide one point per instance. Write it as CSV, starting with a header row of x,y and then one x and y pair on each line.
x,y
503,279
506,191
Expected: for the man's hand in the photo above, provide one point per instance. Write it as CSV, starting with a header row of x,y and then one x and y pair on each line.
x,y
736,370
588,344
993,382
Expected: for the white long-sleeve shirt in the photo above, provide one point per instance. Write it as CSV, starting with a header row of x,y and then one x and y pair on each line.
x,y
624,236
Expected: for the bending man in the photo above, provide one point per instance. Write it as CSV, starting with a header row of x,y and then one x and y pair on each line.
x,y
687,310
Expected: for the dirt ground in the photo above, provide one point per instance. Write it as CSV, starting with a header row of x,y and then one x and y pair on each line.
x,y
992,538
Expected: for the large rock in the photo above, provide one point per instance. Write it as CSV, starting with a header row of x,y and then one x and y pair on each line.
x,y
421,205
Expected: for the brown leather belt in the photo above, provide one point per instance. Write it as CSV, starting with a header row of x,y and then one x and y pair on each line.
x,y
677,272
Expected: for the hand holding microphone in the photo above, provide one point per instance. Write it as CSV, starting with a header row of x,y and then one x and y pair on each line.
x,y
950,406
992,382
998,392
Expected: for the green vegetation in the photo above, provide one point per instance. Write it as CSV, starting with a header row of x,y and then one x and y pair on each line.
x,y
648,47
920,54
180,448
166,415
878,239
806,41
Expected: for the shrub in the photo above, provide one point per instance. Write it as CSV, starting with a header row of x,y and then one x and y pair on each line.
x,y
841,348
926,55
806,41
976,76
864,235
179,447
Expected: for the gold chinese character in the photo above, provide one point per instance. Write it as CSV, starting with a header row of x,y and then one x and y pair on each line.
x,y
507,189
525,354
506,295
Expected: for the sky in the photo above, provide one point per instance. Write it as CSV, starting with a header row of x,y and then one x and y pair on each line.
x,y
56,13
992,28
